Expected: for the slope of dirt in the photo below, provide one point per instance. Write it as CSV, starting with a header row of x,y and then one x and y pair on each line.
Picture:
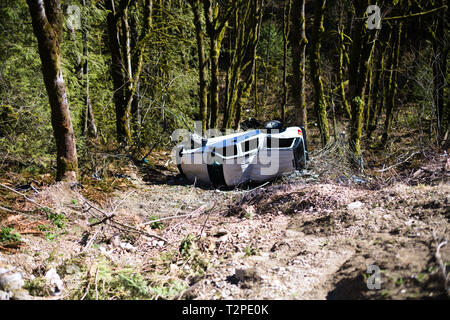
x,y
323,248
302,238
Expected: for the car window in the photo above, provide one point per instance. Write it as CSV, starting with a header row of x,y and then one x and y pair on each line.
x,y
276,143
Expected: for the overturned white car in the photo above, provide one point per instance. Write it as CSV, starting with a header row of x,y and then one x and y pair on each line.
x,y
251,156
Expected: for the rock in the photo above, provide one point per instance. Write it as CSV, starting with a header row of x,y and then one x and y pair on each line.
x,y
222,232
247,275
115,241
21,294
222,239
5,295
174,269
354,205
10,282
128,247
417,174
54,282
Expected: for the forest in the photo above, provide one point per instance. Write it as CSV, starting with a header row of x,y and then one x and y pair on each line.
x,y
92,205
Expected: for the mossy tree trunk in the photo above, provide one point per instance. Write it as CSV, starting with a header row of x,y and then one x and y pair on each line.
x,y
298,51
377,96
215,27
117,72
127,62
342,57
245,86
88,120
202,66
286,30
47,23
360,61
240,76
320,104
440,52
391,89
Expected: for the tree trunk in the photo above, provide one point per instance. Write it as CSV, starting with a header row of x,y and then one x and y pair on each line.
x,y
89,126
47,26
376,96
392,85
298,48
362,49
286,15
246,85
117,74
320,104
440,52
202,67
215,27
341,67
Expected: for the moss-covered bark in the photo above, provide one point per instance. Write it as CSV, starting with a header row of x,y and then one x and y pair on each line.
x,y
216,25
47,26
286,30
341,67
117,74
360,61
392,83
202,67
377,97
298,49
320,104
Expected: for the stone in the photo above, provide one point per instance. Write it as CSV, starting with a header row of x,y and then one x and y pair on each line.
x,y
247,275
10,282
221,233
5,295
354,205
54,282
21,294
128,247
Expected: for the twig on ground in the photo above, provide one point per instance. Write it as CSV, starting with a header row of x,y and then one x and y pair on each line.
x,y
442,264
90,242
109,217
198,210
26,198
206,220
399,163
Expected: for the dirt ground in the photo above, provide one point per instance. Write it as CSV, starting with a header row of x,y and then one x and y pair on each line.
x,y
306,236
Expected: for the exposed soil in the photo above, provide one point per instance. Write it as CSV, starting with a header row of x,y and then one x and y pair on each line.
x,y
302,237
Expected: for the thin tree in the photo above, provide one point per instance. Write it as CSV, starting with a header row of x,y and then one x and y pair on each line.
x,y
202,65
47,24
391,89
320,104
216,27
88,121
286,30
360,61
298,51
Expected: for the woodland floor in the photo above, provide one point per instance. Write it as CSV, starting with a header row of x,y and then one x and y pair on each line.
x,y
310,235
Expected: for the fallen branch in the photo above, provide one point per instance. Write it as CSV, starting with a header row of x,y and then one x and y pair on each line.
x,y
26,198
109,217
442,264
206,220
198,210
399,163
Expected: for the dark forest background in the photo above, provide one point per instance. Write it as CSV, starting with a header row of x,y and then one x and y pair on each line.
x,y
131,72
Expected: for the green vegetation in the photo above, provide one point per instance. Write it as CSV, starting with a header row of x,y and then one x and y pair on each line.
x,y
9,235
188,61
156,225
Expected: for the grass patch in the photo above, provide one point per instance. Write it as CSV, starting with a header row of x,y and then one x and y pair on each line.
x,y
157,224
9,235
